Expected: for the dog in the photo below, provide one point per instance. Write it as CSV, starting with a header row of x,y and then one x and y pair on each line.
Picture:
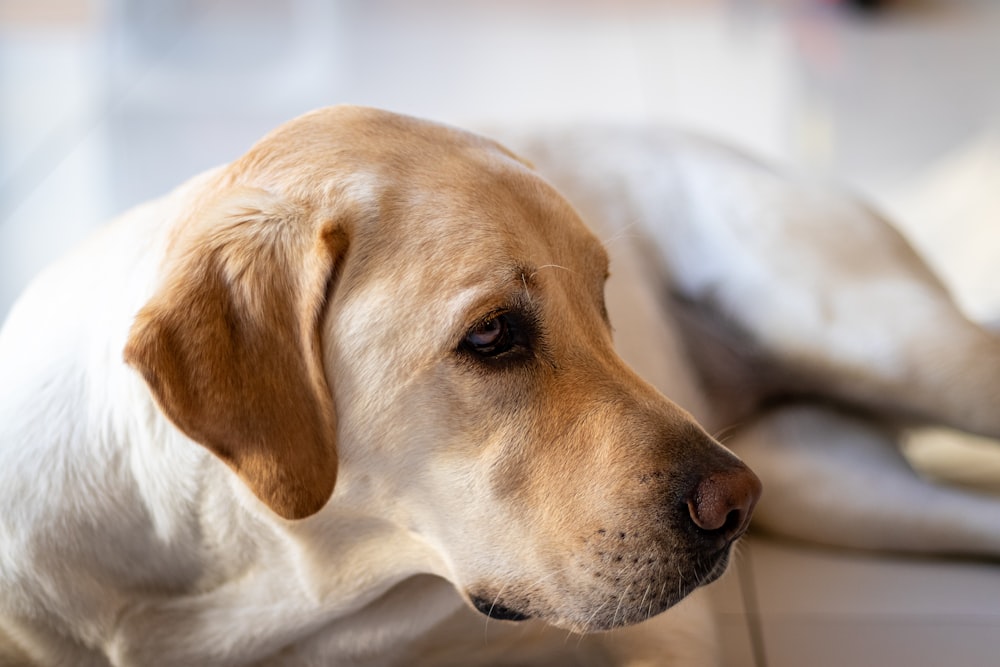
x,y
356,399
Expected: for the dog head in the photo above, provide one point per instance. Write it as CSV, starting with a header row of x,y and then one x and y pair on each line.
x,y
414,305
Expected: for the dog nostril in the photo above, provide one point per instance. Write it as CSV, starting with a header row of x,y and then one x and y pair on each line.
x,y
722,502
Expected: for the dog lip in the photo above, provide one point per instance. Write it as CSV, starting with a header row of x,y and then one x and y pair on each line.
x,y
719,567
498,611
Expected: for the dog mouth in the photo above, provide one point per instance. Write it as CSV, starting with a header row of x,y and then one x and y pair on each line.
x,y
634,595
494,609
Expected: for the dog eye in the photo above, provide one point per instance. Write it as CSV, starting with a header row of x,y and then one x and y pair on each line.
x,y
491,337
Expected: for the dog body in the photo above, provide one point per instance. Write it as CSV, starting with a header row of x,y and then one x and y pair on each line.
x,y
353,400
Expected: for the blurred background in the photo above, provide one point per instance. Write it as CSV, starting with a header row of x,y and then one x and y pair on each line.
x,y
105,103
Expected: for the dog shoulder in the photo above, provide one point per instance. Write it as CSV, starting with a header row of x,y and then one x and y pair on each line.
x,y
77,427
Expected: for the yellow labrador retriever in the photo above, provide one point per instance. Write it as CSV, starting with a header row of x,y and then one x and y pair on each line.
x,y
299,410
353,400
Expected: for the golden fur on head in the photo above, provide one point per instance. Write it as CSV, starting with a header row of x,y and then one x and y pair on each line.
x,y
343,266
231,343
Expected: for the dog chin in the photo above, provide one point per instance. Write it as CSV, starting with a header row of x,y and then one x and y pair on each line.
x,y
609,609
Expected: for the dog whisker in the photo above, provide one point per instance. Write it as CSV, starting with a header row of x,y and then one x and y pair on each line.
x,y
659,597
548,266
496,599
593,615
621,599
726,433
623,233
644,594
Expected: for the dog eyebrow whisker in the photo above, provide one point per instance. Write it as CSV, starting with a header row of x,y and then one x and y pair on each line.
x,y
622,233
549,266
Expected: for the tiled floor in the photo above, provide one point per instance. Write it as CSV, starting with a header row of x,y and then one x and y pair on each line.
x,y
104,103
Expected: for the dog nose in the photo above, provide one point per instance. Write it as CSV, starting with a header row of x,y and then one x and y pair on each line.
x,y
723,501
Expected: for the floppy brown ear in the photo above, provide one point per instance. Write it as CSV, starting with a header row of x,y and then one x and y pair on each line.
x,y
230,346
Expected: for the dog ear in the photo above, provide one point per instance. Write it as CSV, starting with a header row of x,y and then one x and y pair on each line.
x,y
230,346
